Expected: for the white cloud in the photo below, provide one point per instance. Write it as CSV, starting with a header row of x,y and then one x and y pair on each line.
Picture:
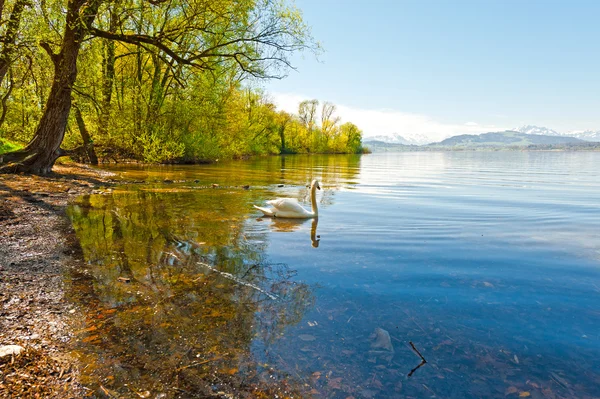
x,y
378,122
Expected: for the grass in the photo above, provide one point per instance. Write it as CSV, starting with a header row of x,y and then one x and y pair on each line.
x,y
8,146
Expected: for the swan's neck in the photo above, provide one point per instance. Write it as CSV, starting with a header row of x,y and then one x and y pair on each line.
x,y
313,200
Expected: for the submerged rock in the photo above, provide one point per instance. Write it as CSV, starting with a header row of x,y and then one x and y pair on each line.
x,y
7,350
381,341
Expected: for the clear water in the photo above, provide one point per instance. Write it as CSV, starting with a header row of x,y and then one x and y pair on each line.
x,y
487,262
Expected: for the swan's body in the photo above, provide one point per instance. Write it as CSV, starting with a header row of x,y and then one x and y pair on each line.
x,y
290,208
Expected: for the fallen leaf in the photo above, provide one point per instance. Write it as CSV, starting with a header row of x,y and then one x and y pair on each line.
x,y
90,339
524,394
306,337
511,390
90,329
335,383
398,386
445,342
548,393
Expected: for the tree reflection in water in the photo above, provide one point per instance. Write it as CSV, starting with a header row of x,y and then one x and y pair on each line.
x,y
158,323
157,320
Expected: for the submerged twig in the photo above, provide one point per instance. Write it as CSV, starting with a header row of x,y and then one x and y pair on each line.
x,y
107,392
238,280
194,364
423,361
416,350
416,368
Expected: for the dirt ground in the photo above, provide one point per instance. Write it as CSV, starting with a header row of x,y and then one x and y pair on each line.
x,y
36,244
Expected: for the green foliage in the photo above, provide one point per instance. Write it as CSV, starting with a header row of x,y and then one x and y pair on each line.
x,y
157,149
8,146
141,102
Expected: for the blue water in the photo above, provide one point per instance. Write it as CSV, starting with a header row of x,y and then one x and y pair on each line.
x,y
487,262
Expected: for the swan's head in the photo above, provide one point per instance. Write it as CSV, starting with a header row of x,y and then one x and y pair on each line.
x,y
315,183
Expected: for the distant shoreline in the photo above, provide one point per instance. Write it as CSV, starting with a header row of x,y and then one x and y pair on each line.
x,y
393,147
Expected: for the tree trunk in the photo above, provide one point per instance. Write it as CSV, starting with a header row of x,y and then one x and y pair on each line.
x,y
4,100
44,148
88,144
137,131
10,36
108,69
282,137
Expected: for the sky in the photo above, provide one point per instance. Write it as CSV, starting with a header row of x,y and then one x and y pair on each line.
x,y
446,67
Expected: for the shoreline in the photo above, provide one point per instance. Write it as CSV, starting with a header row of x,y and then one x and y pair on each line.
x,y
38,245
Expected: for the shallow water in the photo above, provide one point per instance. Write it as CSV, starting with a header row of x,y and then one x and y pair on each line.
x,y
487,262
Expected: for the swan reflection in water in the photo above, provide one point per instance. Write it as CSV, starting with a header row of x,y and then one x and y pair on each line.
x,y
289,225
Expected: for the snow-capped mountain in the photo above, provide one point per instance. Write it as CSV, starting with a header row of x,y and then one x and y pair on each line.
x,y
395,138
421,139
532,129
588,135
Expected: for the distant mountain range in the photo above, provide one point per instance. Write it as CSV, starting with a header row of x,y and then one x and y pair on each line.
x,y
587,135
494,140
507,138
395,138
418,139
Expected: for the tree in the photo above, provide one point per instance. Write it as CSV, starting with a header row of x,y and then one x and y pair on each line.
x,y
307,111
44,148
282,119
328,122
254,36
353,136
9,37
8,41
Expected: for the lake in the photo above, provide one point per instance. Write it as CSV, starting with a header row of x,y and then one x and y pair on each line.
x,y
485,264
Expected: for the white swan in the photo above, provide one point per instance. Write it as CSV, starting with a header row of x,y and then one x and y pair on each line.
x,y
290,208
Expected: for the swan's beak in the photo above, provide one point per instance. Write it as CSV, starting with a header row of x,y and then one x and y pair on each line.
x,y
318,187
